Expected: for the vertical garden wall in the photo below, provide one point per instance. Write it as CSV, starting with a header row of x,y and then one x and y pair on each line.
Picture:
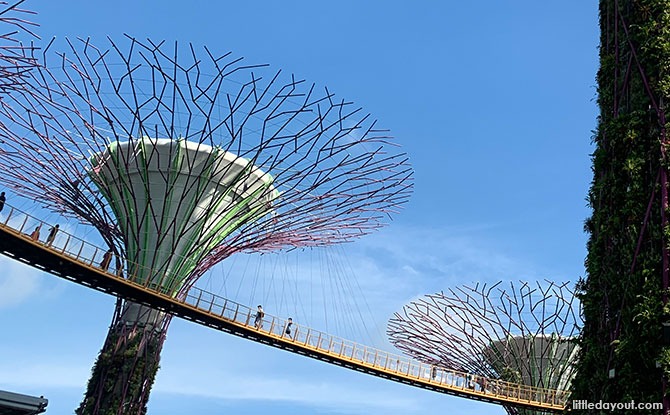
x,y
623,357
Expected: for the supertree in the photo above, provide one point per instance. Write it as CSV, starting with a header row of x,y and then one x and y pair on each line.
x,y
181,158
625,291
523,333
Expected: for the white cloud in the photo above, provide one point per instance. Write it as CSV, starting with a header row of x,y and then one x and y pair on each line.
x,y
18,282
447,256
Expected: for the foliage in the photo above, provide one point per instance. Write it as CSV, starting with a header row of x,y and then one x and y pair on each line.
x,y
622,293
123,373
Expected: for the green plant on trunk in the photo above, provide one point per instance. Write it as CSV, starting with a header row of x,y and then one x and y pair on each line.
x,y
622,293
124,372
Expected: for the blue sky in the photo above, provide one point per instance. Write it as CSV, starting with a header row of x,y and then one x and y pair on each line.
x,y
493,101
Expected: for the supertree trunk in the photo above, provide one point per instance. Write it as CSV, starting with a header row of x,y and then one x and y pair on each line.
x,y
624,293
127,364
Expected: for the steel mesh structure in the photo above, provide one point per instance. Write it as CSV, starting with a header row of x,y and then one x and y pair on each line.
x,y
523,333
181,158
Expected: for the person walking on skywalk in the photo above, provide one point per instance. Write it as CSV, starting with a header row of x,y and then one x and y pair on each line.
x,y
52,235
258,321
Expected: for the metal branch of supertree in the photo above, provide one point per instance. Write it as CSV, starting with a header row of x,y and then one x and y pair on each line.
x,y
307,168
15,57
524,333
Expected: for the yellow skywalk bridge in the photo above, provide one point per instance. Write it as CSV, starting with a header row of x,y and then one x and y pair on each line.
x,y
74,259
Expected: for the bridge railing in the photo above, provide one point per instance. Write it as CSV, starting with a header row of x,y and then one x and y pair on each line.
x,y
371,357
85,252
38,231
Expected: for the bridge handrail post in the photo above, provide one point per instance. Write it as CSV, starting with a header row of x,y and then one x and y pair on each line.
x,y
131,274
93,257
272,324
237,308
318,341
197,302
159,286
147,283
225,305
548,396
67,241
9,215
211,305
24,223
81,248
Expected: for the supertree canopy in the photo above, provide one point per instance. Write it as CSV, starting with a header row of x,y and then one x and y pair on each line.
x,y
522,333
181,158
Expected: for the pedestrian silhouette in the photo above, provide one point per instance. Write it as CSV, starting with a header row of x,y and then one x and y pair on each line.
x,y
288,327
2,200
258,321
35,236
106,260
52,234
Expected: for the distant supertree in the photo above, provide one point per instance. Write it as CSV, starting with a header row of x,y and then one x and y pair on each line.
x,y
180,160
523,333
